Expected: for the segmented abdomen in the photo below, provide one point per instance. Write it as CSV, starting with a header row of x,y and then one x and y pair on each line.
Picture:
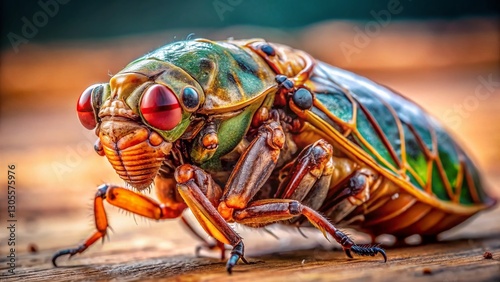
x,y
395,137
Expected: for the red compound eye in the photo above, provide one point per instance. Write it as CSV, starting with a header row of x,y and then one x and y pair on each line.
x,y
160,108
85,110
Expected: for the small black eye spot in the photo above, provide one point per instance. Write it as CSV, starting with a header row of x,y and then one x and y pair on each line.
x,y
190,98
303,99
268,50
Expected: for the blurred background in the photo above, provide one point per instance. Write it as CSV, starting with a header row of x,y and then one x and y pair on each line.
x,y
442,54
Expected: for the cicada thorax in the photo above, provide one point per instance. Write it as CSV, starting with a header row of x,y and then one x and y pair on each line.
x,y
290,64
235,82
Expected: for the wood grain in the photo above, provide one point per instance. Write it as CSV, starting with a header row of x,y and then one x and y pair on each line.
x,y
450,260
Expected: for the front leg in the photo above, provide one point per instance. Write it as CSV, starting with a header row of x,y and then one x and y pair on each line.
x,y
199,192
253,168
124,199
167,192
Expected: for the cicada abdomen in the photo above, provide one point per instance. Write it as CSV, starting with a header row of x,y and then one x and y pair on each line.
x,y
424,182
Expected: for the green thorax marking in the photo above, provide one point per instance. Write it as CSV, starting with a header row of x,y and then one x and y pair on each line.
x,y
231,76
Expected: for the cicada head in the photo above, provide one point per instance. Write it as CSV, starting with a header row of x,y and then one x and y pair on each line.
x,y
138,115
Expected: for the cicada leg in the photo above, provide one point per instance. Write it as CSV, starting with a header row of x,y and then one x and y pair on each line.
x,y
194,185
251,171
355,188
267,211
253,168
308,180
167,193
309,175
125,199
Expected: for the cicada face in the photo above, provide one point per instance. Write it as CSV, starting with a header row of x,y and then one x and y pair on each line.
x,y
138,115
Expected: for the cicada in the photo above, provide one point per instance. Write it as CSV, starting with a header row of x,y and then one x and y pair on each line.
x,y
255,133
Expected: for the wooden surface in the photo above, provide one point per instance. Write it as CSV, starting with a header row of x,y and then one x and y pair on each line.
x,y
58,170
454,261
140,252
